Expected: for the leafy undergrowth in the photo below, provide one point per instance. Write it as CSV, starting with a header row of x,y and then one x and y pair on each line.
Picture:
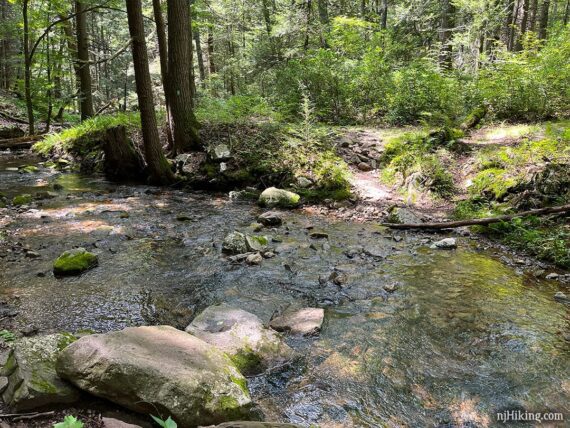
x,y
83,135
269,153
530,174
421,159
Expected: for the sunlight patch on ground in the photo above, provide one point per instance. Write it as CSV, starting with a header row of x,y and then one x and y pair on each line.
x,y
507,132
465,412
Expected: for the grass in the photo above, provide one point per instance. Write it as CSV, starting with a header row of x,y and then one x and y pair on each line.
x,y
424,154
88,130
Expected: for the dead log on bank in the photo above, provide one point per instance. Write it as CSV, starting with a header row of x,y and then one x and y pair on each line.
x,y
20,142
479,221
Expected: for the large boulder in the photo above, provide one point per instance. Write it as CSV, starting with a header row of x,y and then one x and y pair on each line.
x,y
158,369
240,334
273,197
74,262
30,373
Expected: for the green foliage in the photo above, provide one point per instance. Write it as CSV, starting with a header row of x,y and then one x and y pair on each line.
x,y
69,422
235,109
7,336
168,423
86,132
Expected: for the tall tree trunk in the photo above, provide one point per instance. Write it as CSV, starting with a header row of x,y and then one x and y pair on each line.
x,y
524,23
6,47
445,34
543,21
85,94
210,41
179,75
533,14
163,54
384,21
323,7
158,166
27,68
199,54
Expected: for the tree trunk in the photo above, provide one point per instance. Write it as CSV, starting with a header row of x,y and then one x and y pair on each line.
x,y
384,21
27,69
158,167
179,76
523,27
445,34
122,161
199,55
543,21
533,14
86,97
323,7
163,54
210,41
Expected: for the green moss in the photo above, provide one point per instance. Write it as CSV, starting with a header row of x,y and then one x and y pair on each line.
x,y
74,262
246,360
65,340
80,137
495,182
29,169
228,403
23,199
241,382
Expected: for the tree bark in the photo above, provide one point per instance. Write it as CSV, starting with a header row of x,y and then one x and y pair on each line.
x,y
199,55
27,69
210,41
122,162
543,21
85,93
185,125
163,54
523,27
479,221
158,167
446,33
384,20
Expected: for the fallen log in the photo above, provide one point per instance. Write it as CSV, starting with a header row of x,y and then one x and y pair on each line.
x,y
13,119
479,221
20,142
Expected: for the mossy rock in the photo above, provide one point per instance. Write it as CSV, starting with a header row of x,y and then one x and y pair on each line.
x,y
274,197
30,371
23,199
29,169
256,242
74,262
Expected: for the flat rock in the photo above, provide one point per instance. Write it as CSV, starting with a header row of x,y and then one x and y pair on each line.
x,y
158,367
306,321
561,297
270,218
32,380
241,335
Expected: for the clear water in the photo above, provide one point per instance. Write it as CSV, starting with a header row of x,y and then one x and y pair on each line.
x,y
463,337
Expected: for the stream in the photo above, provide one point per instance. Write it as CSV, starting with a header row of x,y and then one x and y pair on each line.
x,y
463,336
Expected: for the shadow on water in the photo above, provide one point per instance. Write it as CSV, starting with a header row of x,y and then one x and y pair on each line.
x,y
462,336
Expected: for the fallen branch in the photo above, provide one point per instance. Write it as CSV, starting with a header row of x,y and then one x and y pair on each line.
x,y
31,415
479,221
20,142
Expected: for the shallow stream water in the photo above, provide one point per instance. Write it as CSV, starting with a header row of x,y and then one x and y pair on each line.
x,y
464,336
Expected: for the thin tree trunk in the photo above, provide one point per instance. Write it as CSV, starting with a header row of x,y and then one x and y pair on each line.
x,y
199,55
185,128
27,68
323,7
85,93
158,166
533,14
210,41
384,21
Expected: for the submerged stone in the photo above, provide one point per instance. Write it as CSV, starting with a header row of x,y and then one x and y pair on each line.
x,y
241,335
32,380
306,321
273,197
74,262
158,367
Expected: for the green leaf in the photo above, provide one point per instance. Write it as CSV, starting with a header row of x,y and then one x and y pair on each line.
x,y
69,422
